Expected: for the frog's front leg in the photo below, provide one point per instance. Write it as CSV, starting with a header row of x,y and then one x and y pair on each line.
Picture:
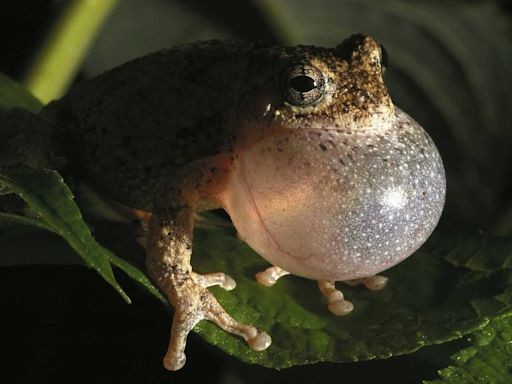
x,y
336,301
269,276
335,298
169,249
373,283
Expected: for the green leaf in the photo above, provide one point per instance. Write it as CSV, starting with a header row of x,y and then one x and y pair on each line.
x,y
487,360
440,293
454,285
14,95
9,225
47,194
9,220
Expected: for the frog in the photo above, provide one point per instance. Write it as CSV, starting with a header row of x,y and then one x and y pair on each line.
x,y
302,146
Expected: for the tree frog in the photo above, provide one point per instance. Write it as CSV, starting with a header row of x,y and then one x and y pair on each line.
x,y
302,146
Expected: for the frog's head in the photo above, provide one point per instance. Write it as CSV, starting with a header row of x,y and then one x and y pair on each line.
x,y
330,181
326,88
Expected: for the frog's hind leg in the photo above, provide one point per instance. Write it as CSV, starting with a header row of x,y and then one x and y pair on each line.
x,y
373,283
169,248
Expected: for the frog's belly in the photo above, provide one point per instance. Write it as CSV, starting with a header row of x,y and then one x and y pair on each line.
x,y
335,206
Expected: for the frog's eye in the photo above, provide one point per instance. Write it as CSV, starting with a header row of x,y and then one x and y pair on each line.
x,y
303,85
384,58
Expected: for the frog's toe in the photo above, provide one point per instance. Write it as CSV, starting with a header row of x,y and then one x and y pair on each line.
x,y
176,362
255,338
260,341
269,276
217,278
336,301
373,283
340,307
183,322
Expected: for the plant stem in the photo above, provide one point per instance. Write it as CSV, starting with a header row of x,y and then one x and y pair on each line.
x,y
65,47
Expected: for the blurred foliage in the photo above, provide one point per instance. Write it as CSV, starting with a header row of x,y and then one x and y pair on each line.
x,y
14,95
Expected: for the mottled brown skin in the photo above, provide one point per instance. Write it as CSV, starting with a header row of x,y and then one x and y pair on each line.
x,y
130,137
160,134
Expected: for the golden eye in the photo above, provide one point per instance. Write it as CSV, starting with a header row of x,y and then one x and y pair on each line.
x,y
303,85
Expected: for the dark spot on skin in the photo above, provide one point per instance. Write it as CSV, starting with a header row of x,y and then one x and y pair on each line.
x,y
341,161
349,155
323,147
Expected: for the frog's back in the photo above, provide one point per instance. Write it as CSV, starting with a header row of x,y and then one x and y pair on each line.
x,y
132,127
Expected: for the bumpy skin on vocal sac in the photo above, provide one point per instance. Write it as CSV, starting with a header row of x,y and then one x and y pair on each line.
x,y
321,174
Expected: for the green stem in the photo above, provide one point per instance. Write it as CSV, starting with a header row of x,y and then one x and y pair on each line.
x,y
65,47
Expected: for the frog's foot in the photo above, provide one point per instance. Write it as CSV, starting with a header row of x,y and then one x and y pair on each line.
x,y
336,301
373,283
269,276
194,303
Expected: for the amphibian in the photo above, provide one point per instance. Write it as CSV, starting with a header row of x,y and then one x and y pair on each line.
x,y
302,146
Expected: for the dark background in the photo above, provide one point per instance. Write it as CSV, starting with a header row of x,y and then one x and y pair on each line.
x,y
63,323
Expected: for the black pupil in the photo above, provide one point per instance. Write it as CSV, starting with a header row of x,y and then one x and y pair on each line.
x,y
302,83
